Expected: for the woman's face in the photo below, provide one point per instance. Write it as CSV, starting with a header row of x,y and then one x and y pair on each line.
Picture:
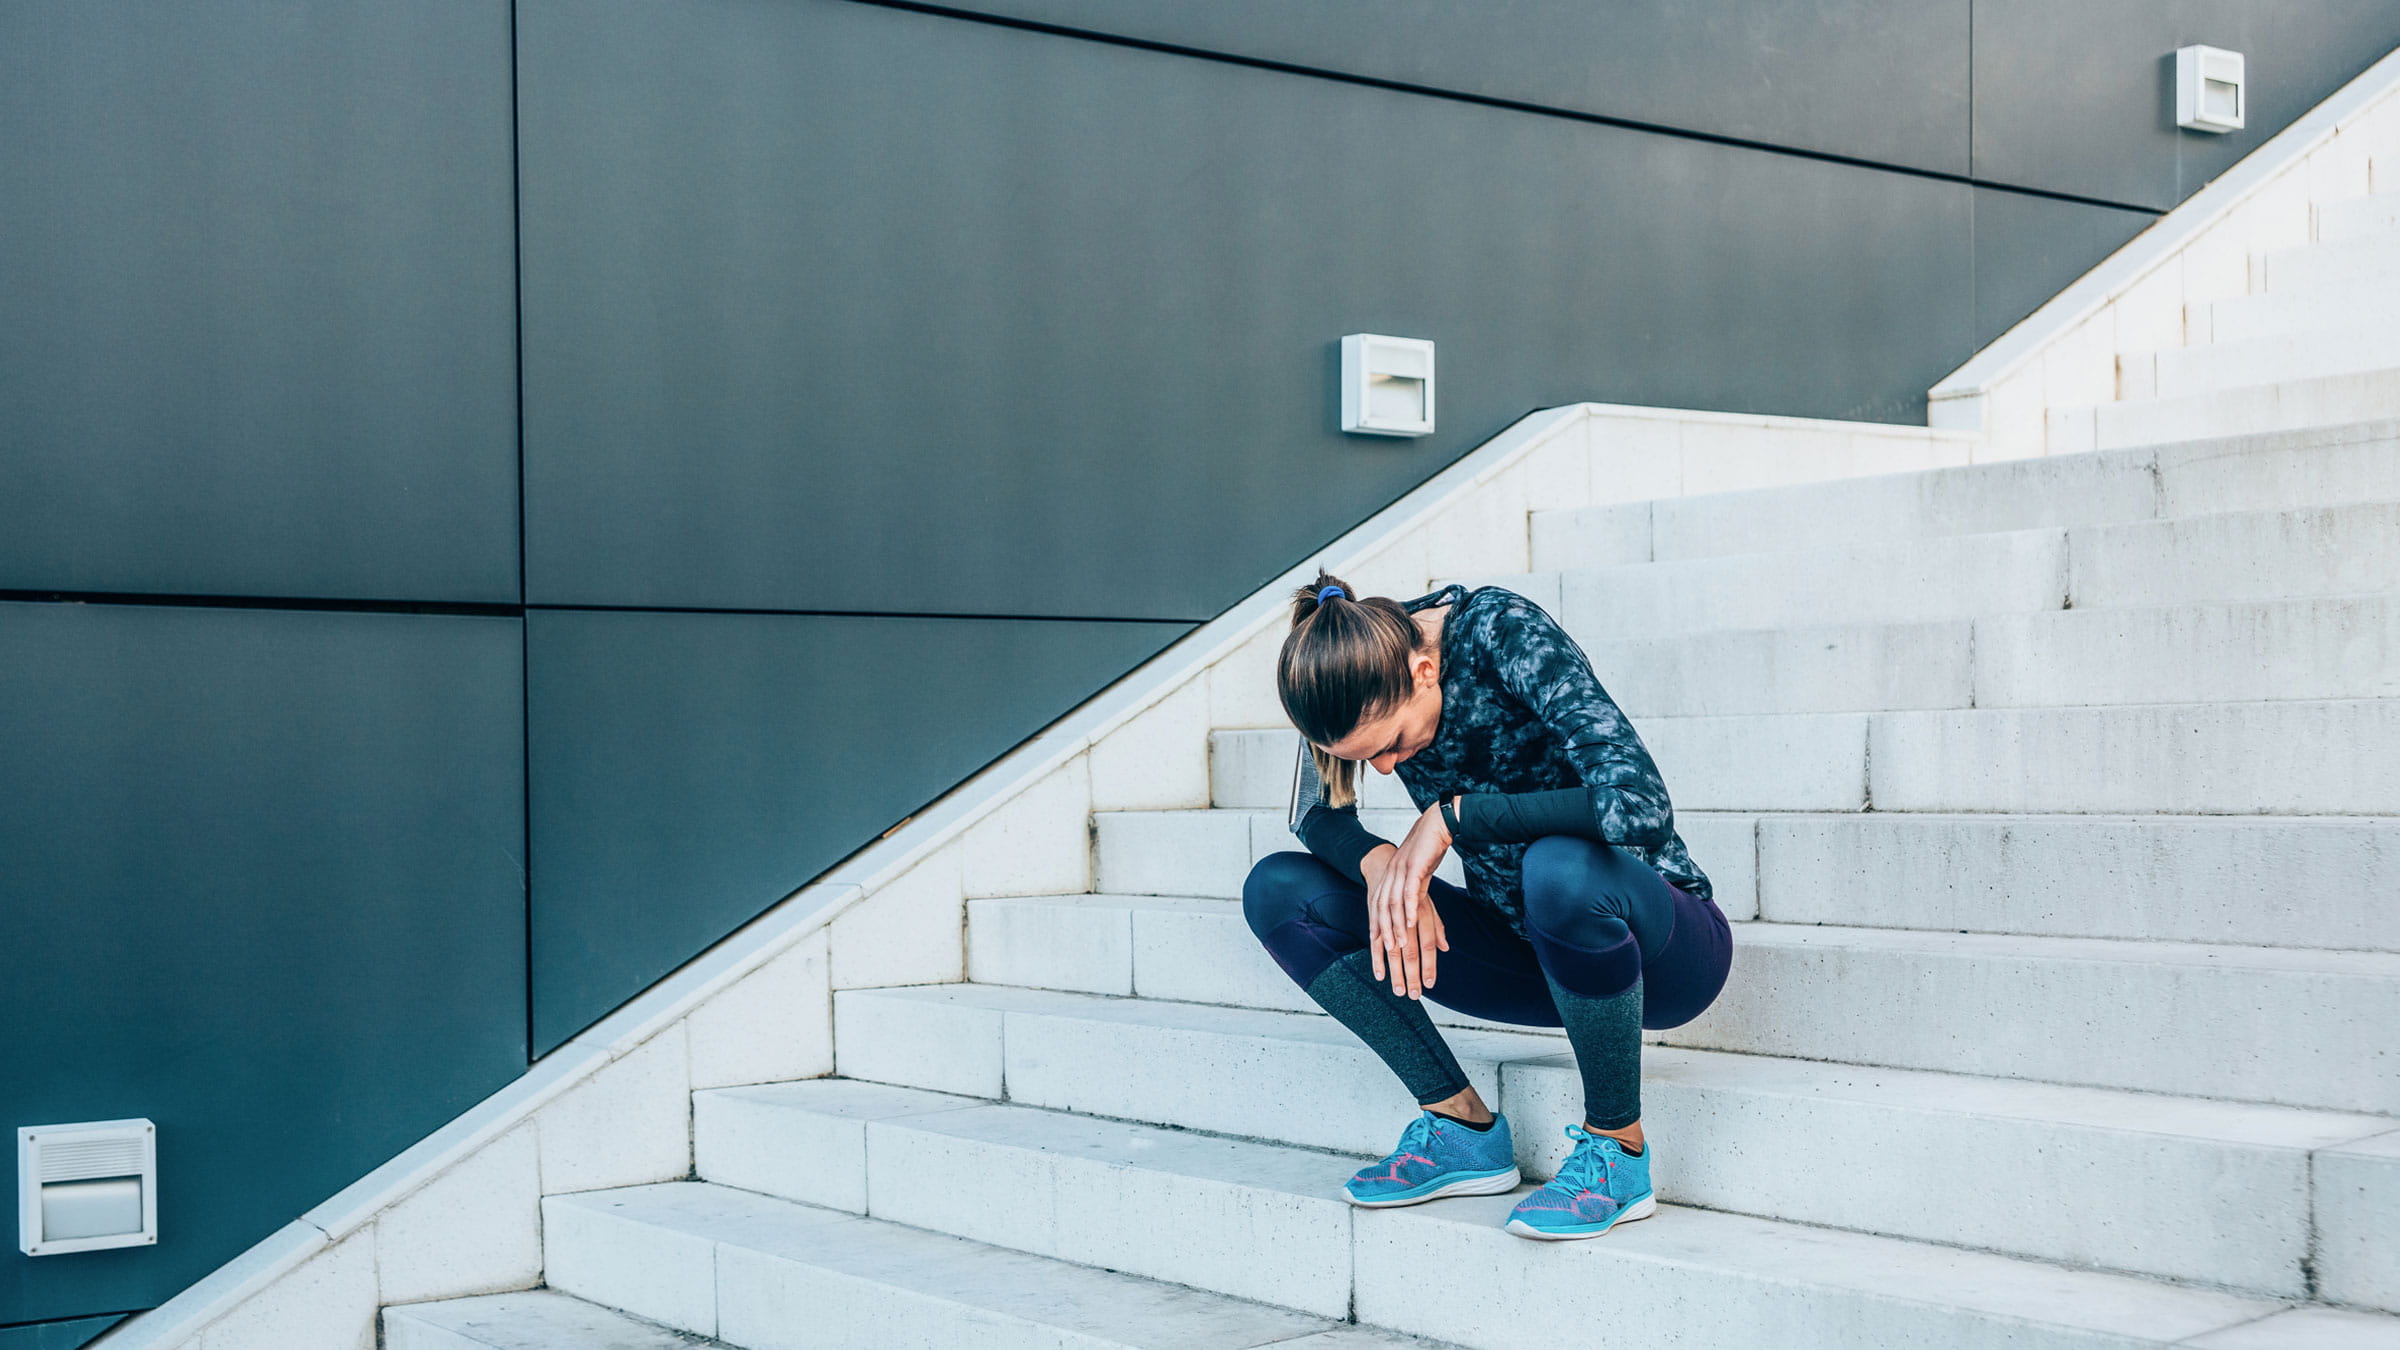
x,y
1385,740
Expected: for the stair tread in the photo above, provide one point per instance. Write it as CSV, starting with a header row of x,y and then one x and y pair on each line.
x,y
2258,1123
542,1319
1749,1246
995,1280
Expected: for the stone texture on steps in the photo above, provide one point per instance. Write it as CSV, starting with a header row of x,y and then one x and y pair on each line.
x,y
536,1319
2278,470
1952,1154
2300,1027
767,1274
2169,758
1034,1175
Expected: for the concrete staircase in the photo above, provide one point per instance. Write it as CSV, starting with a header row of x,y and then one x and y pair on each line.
x,y
2057,803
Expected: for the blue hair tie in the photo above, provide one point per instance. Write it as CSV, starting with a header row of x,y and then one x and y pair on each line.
x,y
1330,590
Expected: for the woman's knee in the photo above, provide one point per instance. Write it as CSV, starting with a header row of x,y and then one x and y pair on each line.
x,y
1278,887
1568,878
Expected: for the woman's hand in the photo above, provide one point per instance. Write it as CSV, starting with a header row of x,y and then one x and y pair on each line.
x,y
1403,928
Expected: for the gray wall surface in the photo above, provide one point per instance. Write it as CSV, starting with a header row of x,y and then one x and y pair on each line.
x,y
494,495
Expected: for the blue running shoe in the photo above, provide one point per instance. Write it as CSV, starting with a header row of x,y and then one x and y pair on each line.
x,y
1598,1187
1437,1157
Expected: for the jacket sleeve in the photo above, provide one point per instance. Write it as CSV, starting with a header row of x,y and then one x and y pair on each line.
x,y
1331,833
1335,835
1542,668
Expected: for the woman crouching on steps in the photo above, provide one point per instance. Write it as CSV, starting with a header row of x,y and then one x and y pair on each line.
x,y
1582,909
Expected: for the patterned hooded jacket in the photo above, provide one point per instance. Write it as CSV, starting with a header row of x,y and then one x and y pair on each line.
x,y
1522,712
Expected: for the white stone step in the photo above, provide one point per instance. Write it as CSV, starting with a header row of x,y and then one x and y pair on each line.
x,y
1694,1277
2330,262
1829,668
1209,852
2358,1221
1774,762
1932,503
2215,558
2246,651
1201,853
1187,948
2314,882
2286,757
2296,310
2323,400
2368,344
2294,881
1905,581
1320,1089
2115,1166
768,1274
2333,465
2300,757
2323,466
2180,653
2358,216
1266,1220
2297,1027
1251,1219
531,1319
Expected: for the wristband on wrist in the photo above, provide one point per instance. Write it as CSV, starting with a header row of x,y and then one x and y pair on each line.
x,y
1450,816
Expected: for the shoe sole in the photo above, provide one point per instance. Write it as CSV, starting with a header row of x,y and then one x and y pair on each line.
x,y
1483,1185
1639,1209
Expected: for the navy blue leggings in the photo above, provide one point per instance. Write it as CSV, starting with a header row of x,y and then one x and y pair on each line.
x,y
1608,938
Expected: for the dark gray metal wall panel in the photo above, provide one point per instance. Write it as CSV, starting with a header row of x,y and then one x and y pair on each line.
x,y
1777,73
2080,98
689,770
257,268
2028,249
68,1335
264,886
830,306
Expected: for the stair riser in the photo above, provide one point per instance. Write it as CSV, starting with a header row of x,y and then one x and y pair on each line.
x,y
2277,882
2186,371
2118,1197
1186,853
2316,649
2273,471
2235,758
2165,758
665,1276
2239,556
1210,852
2298,310
1331,1093
1276,1247
2017,495
1660,1290
2329,264
2309,649
2301,883
746,1293
1913,582
2289,1037
2358,217
2321,402
2264,882
2358,1255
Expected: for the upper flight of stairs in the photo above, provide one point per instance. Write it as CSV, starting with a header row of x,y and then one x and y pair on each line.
x,y
2057,806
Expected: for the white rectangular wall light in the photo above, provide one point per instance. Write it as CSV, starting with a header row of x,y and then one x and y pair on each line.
x,y
86,1187
1387,385
2210,94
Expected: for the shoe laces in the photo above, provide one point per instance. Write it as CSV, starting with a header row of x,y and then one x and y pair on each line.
x,y
1587,1166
